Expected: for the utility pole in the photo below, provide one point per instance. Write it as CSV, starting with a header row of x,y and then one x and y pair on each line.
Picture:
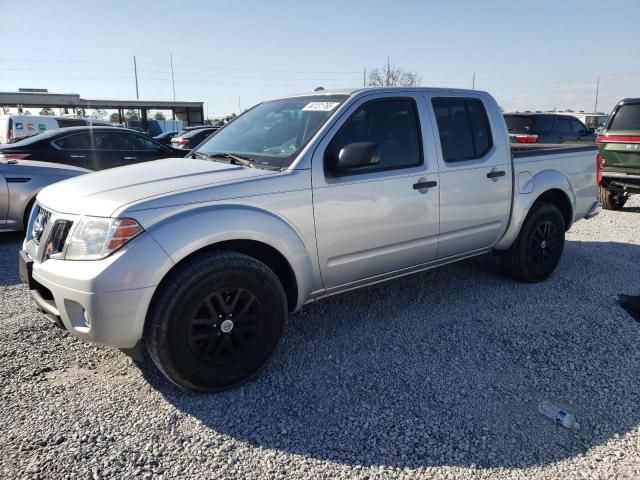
x,y
595,108
135,72
364,77
239,107
473,83
173,81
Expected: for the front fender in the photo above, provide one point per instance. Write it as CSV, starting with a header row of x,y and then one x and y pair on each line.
x,y
187,232
527,190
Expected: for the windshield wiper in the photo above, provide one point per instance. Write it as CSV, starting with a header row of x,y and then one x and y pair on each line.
x,y
238,159
204,156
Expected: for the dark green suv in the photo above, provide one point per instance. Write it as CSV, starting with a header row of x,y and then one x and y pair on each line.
x,y
619,145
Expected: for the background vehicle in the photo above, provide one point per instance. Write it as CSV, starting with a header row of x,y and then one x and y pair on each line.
x,y
192,138
165,138
20,182
14,127
619,145
296,199
95,148
548,127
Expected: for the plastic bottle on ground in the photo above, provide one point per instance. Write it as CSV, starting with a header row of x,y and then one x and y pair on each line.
x,y
560,416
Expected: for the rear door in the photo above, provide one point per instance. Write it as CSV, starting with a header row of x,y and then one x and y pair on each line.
x,y
475,174
377,219
74,149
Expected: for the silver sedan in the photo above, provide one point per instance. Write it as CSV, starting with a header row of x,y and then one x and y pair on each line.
x,y
20,182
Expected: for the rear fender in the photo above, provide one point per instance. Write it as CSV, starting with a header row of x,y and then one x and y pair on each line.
x,y
527,191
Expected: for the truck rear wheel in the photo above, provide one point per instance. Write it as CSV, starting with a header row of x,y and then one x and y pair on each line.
x,y
536,252
216,322
611,200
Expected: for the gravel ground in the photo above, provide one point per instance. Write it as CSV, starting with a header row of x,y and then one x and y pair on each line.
x,y
436,375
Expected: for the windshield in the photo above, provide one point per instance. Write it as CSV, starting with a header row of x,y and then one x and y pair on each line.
x,y
273,133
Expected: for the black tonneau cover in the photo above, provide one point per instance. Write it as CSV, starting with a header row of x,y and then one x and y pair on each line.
x,y
520,150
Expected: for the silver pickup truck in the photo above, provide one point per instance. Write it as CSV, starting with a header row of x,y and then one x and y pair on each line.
x,y
296,199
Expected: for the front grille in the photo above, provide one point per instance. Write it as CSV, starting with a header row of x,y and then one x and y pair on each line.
x,y
57,237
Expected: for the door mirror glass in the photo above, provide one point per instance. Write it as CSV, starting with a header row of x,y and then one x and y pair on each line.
x,y
358,155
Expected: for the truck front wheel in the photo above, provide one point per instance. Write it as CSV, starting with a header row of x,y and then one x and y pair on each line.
x,y
611,200
216,321
536,252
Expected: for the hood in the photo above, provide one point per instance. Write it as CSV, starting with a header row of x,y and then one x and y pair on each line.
x,y
102,193
33,167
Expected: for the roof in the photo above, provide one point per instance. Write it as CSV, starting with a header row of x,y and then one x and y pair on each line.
x,y
366,90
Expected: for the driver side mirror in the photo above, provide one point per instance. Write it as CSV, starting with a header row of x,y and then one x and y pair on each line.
x,y
357,155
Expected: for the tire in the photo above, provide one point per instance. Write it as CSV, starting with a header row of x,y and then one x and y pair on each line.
x,y
536,252
216,321
611,200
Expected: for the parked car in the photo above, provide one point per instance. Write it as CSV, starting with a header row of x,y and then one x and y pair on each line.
x,y
20,182
547,128
95,148
165,138
192,138
296,199
619,145
15,127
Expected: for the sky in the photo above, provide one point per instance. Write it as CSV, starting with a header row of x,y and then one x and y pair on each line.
x,y
232,54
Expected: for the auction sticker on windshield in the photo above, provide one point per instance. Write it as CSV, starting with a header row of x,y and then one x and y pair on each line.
x,y
320,106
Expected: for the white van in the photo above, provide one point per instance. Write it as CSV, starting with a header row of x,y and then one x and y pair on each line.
x,y
13,127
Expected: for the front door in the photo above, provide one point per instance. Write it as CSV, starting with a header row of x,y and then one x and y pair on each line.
x,y
475,175
381,218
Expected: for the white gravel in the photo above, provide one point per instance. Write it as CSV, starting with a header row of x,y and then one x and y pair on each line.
x,y
437,375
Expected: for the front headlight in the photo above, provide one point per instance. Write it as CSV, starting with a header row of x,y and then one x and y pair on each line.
x,y
96,238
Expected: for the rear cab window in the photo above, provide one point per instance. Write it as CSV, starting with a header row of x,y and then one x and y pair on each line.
x,y
463,127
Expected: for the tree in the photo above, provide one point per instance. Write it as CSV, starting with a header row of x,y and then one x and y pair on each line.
x,y
47,111
391,76
130,115
99,114
159,116
114,118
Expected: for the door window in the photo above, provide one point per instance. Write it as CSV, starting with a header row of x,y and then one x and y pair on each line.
x,y
578,128
74,142
131,141
463,126
391,124
564,126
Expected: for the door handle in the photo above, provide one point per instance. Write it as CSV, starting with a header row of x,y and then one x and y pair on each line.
x,y
130,158
421,185
76,156
496,174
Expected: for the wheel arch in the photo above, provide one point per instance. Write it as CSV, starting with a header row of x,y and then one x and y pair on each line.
x,y
249,230
550,186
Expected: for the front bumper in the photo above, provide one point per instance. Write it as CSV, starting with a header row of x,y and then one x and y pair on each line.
x,y
104,301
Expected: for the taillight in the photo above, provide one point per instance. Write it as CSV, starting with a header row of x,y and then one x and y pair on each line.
x,y
183,141
10,135
618,139
14,156
526,138
599,160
